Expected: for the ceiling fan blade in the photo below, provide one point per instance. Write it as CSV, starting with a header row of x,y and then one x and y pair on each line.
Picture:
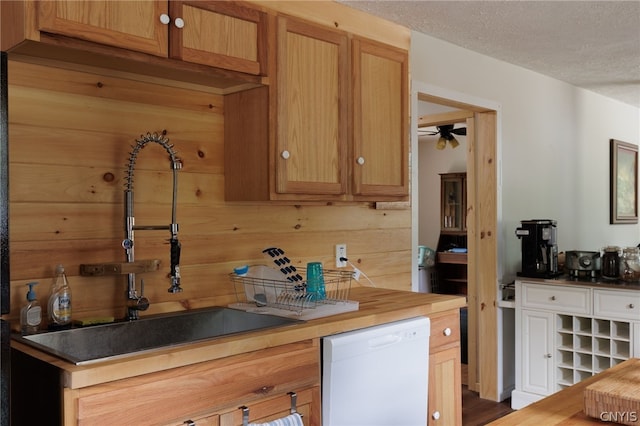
x,y
427,132
461,131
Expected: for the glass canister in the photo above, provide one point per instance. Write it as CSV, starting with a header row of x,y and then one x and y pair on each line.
x,y
630,264
611,262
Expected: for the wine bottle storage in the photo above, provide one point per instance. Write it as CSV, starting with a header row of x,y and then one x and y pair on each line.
x,y
586,346
567,332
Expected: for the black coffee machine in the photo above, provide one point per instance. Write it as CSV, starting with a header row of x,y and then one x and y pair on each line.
x,y
539,248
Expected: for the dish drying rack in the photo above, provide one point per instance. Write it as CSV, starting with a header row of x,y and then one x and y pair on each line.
x,y
290,295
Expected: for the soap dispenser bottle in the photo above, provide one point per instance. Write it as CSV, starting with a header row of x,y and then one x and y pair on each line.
x,y
60,300
31,313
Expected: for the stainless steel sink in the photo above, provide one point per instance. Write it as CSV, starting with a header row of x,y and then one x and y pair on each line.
x,y
103,342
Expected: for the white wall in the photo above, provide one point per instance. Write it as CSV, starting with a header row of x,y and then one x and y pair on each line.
x,y
554,145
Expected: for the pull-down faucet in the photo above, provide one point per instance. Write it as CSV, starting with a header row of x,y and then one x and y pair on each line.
x,y
137,303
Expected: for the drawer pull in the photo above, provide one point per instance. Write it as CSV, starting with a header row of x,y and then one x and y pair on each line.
x,y
285,154
547,356
360,161
553,298
631,306
446,331
435,415
189,423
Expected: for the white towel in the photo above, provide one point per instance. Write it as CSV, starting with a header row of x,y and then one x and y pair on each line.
x,y
294,419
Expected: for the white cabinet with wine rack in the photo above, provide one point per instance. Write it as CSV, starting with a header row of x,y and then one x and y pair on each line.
x,y
567,333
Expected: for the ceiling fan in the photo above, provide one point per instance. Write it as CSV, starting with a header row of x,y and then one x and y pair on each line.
x,y
446,133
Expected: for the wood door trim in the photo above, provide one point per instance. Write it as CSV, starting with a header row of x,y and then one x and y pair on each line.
x,y
481,236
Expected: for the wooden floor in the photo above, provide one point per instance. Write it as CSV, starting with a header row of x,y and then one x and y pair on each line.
x,y
478,412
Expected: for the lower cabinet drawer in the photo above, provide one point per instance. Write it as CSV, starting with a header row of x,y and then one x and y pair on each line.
x,y
444,330
575,300
617,304
182,392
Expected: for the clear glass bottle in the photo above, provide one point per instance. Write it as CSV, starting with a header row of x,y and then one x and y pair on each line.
x,y
60,300
630,264
31,313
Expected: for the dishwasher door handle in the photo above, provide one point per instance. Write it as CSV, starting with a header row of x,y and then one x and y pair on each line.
x,y
382,341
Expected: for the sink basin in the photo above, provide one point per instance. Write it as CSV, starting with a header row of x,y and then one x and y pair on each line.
x,y
109,341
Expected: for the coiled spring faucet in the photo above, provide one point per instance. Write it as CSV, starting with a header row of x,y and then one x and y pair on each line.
x,y
137,303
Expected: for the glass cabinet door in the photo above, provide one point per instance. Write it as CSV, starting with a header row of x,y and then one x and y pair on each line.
x,y
453,195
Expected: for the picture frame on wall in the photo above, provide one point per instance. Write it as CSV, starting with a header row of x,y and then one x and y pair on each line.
x,y
623,182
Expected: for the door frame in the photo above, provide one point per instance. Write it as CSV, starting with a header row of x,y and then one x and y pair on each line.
x,y
486,240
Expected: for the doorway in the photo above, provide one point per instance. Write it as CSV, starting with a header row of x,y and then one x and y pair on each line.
x,y
482,214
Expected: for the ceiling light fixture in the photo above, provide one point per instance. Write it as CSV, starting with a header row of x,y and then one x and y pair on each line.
x,y
446,136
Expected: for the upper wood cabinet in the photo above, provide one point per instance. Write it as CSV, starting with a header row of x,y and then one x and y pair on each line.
x,y
131,24
219,34
338,121
312,109
380,119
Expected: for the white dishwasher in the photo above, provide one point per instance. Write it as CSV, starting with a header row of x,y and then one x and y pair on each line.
x,y
377,376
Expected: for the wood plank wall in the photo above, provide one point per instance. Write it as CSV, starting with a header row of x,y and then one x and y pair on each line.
x,y
70,134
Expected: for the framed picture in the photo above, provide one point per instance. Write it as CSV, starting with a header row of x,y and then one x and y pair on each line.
x,y
623,182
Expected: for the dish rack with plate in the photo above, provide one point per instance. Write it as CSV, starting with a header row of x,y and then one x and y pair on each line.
x,y
264,286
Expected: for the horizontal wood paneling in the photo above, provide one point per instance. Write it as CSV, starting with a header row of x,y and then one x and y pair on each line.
x,y
70,135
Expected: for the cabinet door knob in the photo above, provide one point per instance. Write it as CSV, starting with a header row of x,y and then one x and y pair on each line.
x,y
285,154
189,423
435,415
164,18
179,22
360,160
553,298
547,355
631,306
446,331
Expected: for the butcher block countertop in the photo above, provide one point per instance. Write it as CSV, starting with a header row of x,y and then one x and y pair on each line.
x,y
376,306
565,407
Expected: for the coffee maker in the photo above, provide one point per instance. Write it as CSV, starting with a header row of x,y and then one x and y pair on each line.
x,y
539,248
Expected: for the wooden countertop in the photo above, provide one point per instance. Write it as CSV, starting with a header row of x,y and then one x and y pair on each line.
x,y
377,306
562,408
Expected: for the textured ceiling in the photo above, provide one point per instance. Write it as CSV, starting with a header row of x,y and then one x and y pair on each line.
x,y
590,44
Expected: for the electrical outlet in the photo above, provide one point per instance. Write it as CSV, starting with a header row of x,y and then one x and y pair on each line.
x,y
341,252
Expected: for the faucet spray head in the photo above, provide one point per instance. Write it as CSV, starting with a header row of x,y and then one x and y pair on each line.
x,y
175,265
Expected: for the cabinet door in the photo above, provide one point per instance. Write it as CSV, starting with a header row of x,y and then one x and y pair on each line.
x,y
445,388
219,34
537,371
133,25
311,109
380,119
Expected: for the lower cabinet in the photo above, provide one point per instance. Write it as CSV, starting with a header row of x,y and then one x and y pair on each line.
x,y
445,379
567,333
208,393
537,330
